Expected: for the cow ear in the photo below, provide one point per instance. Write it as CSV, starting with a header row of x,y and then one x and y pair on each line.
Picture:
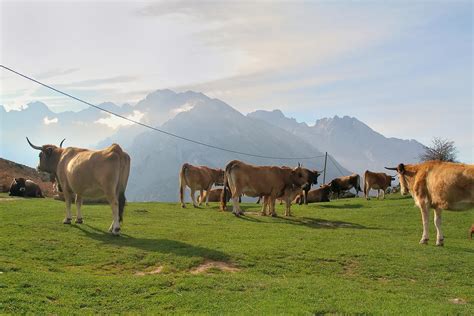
x,y
401,168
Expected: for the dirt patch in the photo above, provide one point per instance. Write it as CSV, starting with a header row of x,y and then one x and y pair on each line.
x,y
350,267
156,270
209,264
459,301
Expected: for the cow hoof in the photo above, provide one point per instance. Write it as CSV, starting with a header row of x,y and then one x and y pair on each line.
x,y
195,206
67,221
183,206
116,231
440,243
79,221
424,242
236,214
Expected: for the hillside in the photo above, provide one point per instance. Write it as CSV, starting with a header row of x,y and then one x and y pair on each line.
x,y
10,170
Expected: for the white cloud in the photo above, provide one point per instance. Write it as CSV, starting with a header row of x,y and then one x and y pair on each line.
x,y
183,108
116,122
48,121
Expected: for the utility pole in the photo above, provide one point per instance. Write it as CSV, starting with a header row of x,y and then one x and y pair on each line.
x,y
325,162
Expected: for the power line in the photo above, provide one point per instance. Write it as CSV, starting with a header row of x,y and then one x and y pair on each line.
x,y
334,163
154,128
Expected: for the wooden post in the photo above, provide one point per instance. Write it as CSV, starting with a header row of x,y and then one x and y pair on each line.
x,y
325,163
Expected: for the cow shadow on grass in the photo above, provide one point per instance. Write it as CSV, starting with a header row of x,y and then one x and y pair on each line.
x,y
160,245
321,223
343,206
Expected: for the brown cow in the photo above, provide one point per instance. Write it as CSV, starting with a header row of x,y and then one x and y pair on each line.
x,y
289,195
378,181
314,196
346,183
214,196
438,185
198,178
257,181
26,188
88,173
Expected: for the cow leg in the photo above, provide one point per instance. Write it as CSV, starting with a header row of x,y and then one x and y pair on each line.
x,y
425,217
287,207
68,200
208,192
201,194
271,202
439,233
383,194
236,204
78,206
115,226
264,206
193,197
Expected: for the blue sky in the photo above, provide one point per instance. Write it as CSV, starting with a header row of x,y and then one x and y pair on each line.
x,y
405,68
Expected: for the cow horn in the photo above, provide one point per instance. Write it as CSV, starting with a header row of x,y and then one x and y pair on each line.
x,y
61,144
391,168
33,146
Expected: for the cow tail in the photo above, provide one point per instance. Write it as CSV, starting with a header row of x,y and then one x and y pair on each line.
x,y
224,193
358,184
365,183
182,181
122,185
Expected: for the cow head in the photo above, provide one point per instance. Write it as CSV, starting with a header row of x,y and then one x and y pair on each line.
x,y
18,187
304,177
220,177
402,177
49,156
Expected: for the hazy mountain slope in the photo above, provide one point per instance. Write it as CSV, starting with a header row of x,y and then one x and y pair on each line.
x,y
355,145
157,158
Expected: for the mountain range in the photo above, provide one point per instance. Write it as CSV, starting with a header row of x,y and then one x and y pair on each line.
x,y
156,157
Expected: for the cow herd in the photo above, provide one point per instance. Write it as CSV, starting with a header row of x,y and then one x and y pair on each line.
x,y
80,173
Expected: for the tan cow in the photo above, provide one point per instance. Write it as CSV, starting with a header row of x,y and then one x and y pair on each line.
x,y
268,181
317,195
378,181
214,196
438,185
198,178
289,195
88,173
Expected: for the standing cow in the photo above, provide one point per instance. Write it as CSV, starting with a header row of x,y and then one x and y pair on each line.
x,y
438,185
88,173
271,181
198,178
346,183
378,181
25,188
214,196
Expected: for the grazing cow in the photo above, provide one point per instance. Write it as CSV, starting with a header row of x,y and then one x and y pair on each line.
x,y
472,230
198,178
257,181
438,185
88,173
25,188
289,194
346,183
314,196
214,196
378,181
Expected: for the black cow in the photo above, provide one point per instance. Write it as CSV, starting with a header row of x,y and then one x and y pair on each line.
x,y
25,188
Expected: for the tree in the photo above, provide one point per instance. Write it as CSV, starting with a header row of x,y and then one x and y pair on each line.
x,y
440,149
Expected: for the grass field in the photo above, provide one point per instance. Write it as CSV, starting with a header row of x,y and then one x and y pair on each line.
x,y
347,256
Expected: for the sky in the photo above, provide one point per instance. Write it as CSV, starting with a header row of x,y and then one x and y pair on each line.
x,y
404,68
